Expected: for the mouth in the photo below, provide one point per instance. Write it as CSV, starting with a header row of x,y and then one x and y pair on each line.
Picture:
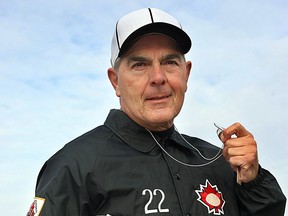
x,y
158,97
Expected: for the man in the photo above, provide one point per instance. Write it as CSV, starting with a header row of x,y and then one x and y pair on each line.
x,y
137,163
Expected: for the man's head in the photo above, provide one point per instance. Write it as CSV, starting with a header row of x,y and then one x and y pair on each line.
x,y
149,72
145,21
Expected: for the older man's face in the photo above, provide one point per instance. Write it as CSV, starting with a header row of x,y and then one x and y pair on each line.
x,y
151,81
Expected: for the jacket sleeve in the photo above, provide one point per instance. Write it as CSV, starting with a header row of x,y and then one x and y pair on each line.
x,y
261,197
62,187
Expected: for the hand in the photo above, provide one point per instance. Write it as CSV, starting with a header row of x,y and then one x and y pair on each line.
x,y
240,150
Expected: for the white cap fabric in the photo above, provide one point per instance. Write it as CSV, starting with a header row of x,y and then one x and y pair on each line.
x,y
142,22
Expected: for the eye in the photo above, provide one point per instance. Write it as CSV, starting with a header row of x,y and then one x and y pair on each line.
x,y
171,62
139,65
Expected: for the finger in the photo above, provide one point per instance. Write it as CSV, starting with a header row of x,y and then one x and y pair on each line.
x,y
229,153
237,151
240,150
247,142
236,129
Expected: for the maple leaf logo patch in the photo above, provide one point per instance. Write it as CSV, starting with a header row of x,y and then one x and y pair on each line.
x,y
211,197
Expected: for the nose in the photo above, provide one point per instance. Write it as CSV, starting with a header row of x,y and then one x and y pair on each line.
x,y
157,76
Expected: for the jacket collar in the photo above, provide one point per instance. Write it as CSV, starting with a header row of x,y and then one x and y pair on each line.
x,y
129,131
133,134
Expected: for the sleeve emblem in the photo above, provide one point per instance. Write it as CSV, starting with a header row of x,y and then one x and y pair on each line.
x,y
36,207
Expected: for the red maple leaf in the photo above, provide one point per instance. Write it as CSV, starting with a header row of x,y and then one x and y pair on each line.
x,y
211,197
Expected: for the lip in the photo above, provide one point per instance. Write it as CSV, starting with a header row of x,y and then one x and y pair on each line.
x,y
158,97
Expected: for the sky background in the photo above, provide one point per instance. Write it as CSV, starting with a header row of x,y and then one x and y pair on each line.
x,y
54,57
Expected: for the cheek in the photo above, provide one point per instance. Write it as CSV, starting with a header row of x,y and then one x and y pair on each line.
x,y
131,89
179,85
124,84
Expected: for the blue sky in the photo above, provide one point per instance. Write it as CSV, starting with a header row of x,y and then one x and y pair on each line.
x,y
53,86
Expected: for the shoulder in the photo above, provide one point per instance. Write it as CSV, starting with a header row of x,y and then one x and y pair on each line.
x,y
79,155
88,144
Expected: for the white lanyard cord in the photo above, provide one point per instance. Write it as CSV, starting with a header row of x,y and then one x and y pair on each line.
x,y
210,160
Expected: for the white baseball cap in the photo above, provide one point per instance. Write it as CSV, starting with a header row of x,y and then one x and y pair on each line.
x,y
146,21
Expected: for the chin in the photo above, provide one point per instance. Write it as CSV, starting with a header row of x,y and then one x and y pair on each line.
x,y
162,117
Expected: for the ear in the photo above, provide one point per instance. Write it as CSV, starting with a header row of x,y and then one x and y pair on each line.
x,y
188,69
113,77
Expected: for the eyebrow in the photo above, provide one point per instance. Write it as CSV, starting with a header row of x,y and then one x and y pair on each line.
x,y
172,56
137,58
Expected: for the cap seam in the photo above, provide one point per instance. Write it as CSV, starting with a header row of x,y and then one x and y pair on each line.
x,y
151,15
117,38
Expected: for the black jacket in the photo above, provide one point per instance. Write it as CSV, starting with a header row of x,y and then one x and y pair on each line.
x,y
118,169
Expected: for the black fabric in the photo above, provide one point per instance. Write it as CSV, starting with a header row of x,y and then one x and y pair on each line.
x,y
118,169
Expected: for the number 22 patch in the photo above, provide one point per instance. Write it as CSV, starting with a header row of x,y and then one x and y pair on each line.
x,y
152,195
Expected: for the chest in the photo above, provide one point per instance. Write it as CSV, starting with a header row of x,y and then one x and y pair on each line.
x,y
153,184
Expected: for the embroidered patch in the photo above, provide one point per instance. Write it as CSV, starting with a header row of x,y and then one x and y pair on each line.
x,y
36,207
211,197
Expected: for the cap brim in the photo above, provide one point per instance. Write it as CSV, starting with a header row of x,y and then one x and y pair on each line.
x,y
182,39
